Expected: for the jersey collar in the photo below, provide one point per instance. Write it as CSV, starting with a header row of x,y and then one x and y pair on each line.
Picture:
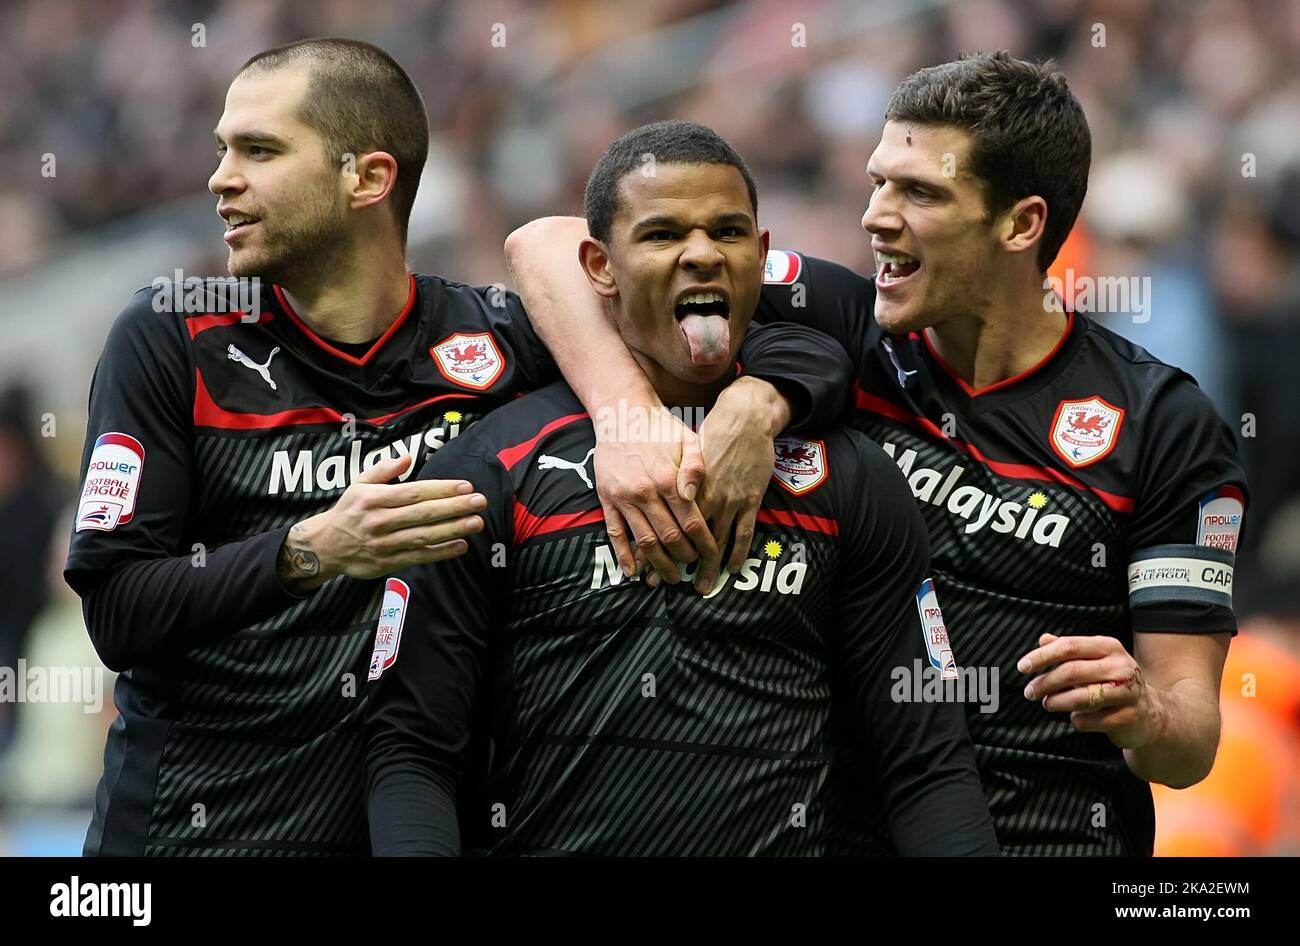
x,y
1044,370
325,345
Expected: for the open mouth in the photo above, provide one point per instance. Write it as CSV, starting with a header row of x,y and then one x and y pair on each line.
x,y
703,319
237,224
893,269
702,303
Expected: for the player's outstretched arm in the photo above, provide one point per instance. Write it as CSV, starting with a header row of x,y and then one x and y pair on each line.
x,y
379,527
934,804
431,646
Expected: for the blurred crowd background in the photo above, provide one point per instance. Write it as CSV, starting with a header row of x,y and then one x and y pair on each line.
x,y
105,137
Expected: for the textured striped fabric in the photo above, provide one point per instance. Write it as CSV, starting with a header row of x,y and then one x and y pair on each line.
x,y
732,736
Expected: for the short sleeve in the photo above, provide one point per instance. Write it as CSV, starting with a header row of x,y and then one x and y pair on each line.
x,y
1188,519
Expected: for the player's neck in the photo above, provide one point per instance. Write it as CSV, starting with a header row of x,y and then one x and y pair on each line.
x,y
674,392
354,302
1009,337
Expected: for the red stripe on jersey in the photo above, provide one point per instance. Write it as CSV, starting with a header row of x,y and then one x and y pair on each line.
x,y
351,359
208,413
385,418
1017,471
512,455
201,323
527,525
779,517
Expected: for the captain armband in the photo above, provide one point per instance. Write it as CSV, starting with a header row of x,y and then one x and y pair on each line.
x,y
1180,573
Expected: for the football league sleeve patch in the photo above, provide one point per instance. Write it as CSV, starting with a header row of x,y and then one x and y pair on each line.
x,y
388,632
112,482
935,631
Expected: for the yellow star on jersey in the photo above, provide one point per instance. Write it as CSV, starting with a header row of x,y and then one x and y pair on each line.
x,y
772,549
1038,500
452,417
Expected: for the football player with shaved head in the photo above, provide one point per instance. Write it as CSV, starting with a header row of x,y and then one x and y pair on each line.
x,y
249,469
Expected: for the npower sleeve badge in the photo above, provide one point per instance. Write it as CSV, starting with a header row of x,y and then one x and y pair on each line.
x,y
112,483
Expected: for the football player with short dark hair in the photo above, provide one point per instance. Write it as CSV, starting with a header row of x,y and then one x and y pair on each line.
x,y
529,698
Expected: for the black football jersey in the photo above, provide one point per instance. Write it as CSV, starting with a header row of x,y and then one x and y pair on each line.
x,y
211,432
1098,493
568,709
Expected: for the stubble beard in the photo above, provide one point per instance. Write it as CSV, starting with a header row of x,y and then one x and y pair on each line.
x,y
308,246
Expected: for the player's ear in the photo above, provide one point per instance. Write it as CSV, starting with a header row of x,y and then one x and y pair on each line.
x,y
764,241
594,257
368,178
1022,225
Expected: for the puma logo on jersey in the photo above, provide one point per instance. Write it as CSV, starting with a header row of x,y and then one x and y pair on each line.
x,y
978,507
264,369
903,373
545,462
756,574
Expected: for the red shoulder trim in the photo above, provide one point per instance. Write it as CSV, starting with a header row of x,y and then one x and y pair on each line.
x,y
527,525
208,413
201,323
512,455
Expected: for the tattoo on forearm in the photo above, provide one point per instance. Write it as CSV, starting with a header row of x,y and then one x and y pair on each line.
x,y
296,564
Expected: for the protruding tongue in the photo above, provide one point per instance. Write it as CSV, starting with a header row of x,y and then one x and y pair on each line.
x,y
708,337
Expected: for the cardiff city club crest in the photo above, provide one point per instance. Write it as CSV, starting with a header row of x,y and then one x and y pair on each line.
x,y
800,464
472,361
1084,432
